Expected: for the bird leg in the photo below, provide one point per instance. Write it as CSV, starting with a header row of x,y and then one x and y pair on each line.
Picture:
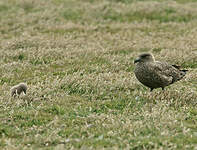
x,y
151,89
162,88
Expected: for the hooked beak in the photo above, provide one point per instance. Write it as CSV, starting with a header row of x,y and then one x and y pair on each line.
x,y
136,60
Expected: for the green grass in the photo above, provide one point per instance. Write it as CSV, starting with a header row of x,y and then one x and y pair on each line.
x,y
76,57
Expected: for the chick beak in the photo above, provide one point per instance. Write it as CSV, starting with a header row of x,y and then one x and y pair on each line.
x,y
136,60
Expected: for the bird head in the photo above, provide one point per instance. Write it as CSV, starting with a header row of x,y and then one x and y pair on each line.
x,y
145,57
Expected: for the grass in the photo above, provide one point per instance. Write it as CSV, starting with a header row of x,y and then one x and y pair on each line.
x,y
77,58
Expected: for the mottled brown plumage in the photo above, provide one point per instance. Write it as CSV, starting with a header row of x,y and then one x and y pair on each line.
x,y
155,74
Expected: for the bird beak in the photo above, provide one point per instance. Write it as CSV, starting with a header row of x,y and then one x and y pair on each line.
x,y
136,60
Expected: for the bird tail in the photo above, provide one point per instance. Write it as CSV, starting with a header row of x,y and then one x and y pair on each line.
x,y
184,70
181,75
179,68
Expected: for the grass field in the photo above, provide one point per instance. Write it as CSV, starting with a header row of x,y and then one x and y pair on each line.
x,y
77,58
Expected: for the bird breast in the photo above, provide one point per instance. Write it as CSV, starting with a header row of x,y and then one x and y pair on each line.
x,y
145,73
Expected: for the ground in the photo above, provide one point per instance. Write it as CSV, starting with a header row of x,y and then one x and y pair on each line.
x,y
76,57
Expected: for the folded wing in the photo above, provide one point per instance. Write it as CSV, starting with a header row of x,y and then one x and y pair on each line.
x,y
168,73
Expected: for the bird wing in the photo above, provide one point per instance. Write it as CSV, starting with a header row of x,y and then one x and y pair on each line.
x,y
171,73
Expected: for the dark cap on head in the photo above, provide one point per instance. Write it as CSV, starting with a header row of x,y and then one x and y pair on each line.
x,y
145,57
